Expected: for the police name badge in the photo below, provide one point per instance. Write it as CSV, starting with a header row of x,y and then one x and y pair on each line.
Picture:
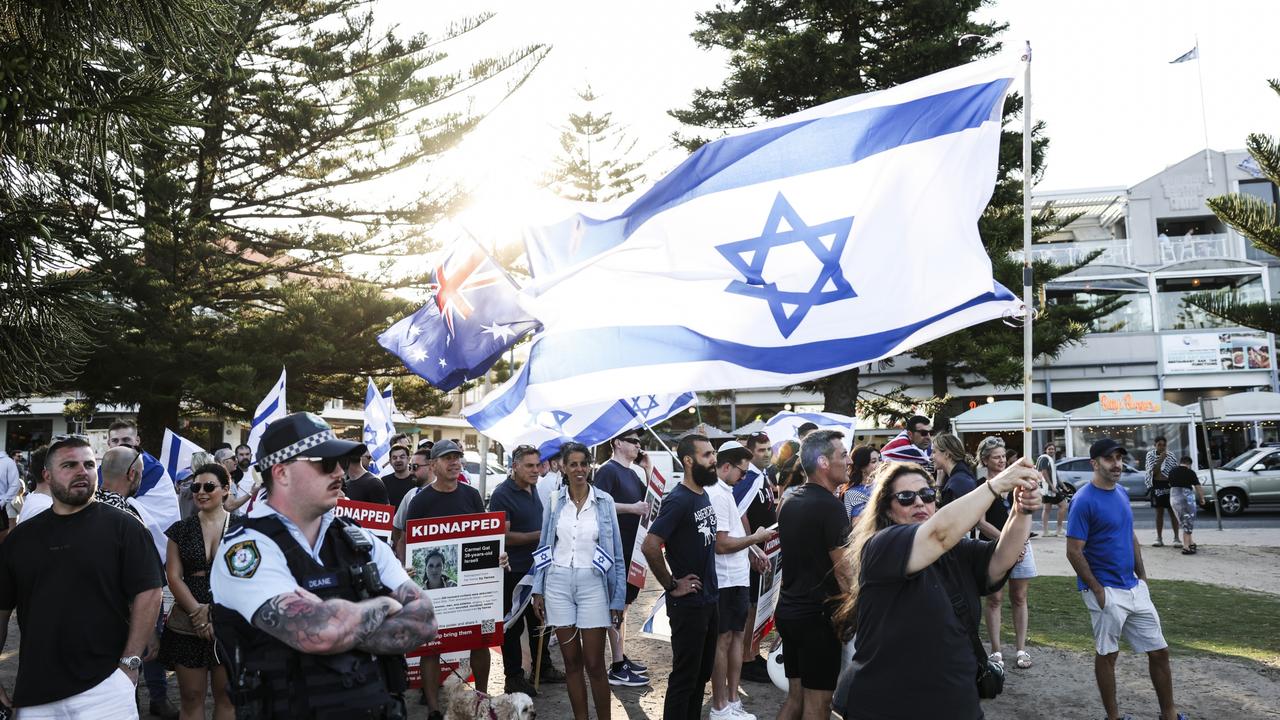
x,y
243,559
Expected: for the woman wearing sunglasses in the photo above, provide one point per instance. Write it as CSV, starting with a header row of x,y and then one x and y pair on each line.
x,y
915,606
187,643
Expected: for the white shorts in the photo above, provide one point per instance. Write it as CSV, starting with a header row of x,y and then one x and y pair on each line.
x,y
112,699
1025,569
577,597
1129,613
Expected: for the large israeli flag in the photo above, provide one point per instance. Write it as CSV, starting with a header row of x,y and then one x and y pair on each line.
x,y
378,429
176,452
271,408
504,416
811,244
784,425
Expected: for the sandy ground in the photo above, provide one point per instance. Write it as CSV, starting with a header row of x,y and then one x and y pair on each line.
x,y
1059,686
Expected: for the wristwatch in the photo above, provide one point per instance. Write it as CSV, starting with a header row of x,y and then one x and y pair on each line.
x,y
133,662
672,587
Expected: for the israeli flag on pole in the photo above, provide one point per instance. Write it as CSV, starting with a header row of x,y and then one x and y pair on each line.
x,y
785,425
271,408
176,452
811,244
389,399
504,416
378,429
1191,54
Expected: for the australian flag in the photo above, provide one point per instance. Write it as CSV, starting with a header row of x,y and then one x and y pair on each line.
x,y
471,318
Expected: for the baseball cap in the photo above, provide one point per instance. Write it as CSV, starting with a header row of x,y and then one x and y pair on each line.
x,y
731,452
444,447
301,434
1104,447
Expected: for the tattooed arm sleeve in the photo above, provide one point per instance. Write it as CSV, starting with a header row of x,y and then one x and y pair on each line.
x,y
322,627
413,626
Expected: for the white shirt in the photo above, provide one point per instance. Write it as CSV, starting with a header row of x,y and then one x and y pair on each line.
x,y
732,569
10,479
250,568
34,504
547,484
577,534
401,518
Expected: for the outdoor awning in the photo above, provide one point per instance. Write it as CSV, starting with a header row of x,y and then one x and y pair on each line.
x,y
1006,415
1170,412
1251,407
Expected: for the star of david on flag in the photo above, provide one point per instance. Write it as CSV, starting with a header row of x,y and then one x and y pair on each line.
x,y
787,252
470,320
784,227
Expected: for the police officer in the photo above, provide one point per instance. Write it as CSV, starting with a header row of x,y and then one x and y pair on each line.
x,y
312,614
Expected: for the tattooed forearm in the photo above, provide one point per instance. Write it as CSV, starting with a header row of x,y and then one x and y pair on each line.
x,y
321,627
413,626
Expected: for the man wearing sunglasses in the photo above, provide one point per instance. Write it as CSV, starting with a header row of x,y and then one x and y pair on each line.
x,y
912,444
312,612
625,481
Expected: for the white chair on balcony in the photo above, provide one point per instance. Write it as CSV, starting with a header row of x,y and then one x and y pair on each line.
x,y
1187,251
1166,251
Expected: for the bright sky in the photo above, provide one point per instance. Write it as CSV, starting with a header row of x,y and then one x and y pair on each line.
x,y
1117,111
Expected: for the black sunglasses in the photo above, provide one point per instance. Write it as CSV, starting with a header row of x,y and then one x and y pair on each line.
x,y
205,487
632,440
922,431
907,498
328,464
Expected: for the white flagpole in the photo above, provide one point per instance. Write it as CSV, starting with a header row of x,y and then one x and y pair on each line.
x,y
1204,115
1027,289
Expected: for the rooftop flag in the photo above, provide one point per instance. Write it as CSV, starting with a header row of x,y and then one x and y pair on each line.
x,y
811,244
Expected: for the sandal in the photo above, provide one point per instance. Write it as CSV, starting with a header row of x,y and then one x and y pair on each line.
x,y
1023,659
1193,547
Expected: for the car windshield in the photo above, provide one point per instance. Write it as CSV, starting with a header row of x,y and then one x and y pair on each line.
x,y
1239,461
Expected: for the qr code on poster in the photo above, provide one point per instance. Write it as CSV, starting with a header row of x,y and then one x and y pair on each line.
x,y
486,627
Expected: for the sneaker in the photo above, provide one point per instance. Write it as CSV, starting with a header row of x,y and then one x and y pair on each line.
x,y
996,658
1158,543
1051,533
634,666
726,713
1022,660
736,706
621,675
517,684
549,673
756,671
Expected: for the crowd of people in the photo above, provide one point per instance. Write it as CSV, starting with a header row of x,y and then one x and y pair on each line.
x,y
889,558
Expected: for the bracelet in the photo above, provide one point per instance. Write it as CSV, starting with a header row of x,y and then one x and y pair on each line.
x,y
994,494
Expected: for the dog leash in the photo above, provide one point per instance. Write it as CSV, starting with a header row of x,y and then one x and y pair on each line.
x,y
479,696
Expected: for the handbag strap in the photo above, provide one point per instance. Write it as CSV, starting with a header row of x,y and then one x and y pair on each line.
x,y
961,608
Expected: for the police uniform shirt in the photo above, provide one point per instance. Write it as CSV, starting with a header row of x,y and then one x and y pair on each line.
x,y
250,568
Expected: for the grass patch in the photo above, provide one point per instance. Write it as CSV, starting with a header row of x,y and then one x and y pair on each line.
x,y
1197,618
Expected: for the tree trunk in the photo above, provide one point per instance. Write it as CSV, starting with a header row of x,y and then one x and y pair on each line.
x,y
938,372
840,392
153,417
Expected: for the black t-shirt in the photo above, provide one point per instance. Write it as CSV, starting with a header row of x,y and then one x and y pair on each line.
x,y
397,488
624,486
908,628
686,523
367,488
763,510
1183,477
431,503
72,579
998,511
811,523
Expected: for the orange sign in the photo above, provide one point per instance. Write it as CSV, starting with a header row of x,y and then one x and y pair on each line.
x,y
1146,402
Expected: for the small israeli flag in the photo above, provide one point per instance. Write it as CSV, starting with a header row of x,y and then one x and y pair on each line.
x,y
1191,54
541,558
601,560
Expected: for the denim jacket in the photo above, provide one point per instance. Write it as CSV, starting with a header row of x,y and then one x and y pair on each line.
x,y
610,540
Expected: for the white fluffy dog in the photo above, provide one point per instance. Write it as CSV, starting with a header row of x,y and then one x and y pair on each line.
x,y
463,702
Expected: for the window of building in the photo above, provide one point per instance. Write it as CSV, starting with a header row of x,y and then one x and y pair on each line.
x,y
27,435
1264,190
1128,297
1174,315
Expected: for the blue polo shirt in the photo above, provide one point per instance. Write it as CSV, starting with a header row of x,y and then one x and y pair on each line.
x,y
524,514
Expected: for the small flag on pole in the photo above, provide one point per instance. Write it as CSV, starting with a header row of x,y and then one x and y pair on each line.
x,y
176,452
378,429
1191,54
271,408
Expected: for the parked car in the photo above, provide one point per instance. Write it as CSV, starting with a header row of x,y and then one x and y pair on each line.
x,y
1076,472
1251,478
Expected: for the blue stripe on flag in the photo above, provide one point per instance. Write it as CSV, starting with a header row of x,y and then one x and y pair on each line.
x,y
769,154
275,403
639,346
175,448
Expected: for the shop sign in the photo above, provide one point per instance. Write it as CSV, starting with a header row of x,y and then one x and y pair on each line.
x,y
1215,352
1131,404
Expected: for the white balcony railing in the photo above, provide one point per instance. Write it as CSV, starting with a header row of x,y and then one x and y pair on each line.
x,y
1114,252
1195,247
